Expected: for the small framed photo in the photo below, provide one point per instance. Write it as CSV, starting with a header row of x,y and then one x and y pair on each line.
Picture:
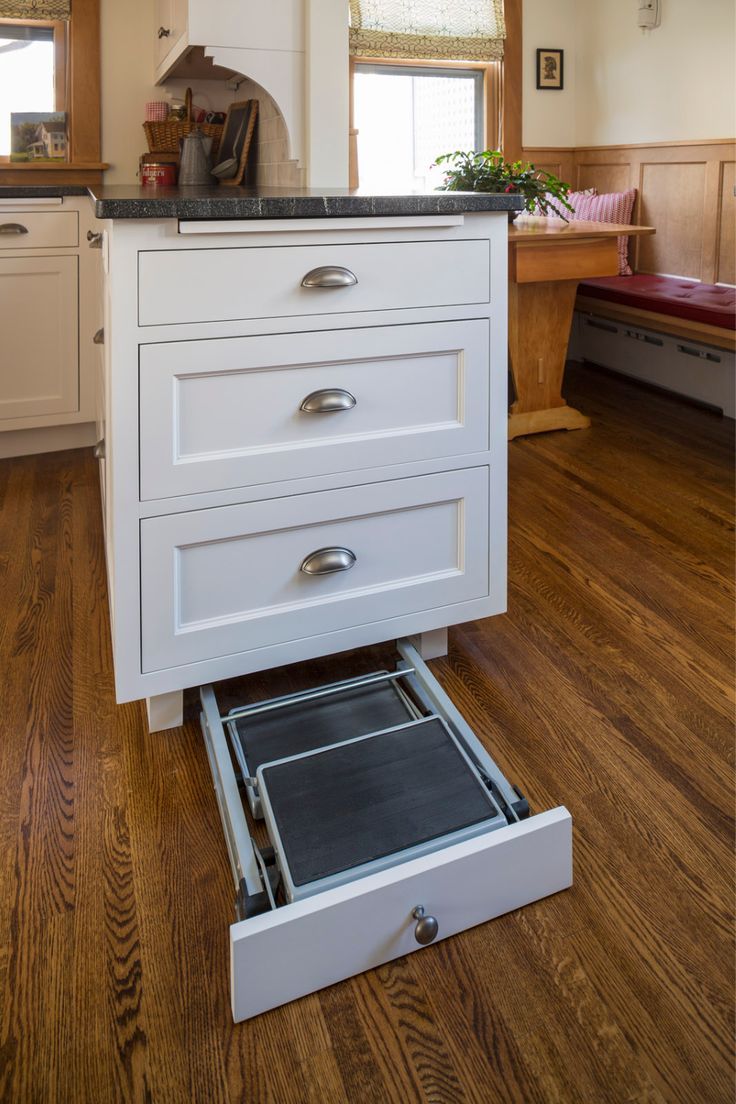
x,y
550,71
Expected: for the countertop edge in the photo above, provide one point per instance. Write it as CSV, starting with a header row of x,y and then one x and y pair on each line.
x,y
213,202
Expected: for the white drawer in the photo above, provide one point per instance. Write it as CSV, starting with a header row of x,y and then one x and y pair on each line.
x,y
227,413
218,285
228,580
38,229
305,946
280,951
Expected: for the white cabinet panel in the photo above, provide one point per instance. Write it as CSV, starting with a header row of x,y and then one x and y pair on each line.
x,y
39,322
227,580
171,25
310,944
217,285
227,413
38,229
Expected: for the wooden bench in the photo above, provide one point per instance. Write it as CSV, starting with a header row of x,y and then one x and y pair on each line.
x,y
667,304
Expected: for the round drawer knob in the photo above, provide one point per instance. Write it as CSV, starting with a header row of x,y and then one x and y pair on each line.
x,y
427,927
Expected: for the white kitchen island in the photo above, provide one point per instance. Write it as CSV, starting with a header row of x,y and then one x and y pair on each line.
x,y
220,480
303,450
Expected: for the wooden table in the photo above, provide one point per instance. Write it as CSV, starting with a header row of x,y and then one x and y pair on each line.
x,y
547,259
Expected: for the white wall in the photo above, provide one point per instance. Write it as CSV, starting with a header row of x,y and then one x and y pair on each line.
x,y
548,116
674,83
625,85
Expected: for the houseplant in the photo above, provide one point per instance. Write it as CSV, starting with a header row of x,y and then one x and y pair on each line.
x,y
543,193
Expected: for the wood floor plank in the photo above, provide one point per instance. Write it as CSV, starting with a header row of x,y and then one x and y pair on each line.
x,y
607,687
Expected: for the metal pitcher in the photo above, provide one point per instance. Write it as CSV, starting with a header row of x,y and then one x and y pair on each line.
x,y
194,169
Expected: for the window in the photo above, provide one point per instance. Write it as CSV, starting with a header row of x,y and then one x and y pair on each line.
x,y
407,115
32,78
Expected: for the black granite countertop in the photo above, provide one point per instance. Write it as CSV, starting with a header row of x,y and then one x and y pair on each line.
x,y
41,191
220,202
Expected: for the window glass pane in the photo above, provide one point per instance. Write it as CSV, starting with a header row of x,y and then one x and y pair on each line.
x,y
26,75
407,117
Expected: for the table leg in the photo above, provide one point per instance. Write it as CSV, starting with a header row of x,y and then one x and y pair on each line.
x,y
540,317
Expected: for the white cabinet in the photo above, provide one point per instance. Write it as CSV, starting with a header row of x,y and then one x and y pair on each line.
x,y
227,24
39,319
291,472
172,17
252,421
49,314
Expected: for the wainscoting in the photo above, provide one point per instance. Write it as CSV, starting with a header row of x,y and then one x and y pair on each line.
x,y
684,189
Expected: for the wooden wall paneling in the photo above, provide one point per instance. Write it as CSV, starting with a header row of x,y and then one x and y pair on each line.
x,y
711,219
561,161
673,199
726,249
605,176
684,190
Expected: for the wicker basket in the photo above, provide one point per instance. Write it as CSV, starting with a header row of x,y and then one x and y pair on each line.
x,y
165,137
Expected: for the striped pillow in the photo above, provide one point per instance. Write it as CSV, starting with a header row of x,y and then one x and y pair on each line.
x,y
573,199
611,207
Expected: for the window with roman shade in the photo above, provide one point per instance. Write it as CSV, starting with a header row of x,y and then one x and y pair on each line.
x,y
448,30
35,9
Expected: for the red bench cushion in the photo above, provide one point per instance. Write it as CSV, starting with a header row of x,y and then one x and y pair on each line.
x,y
672,295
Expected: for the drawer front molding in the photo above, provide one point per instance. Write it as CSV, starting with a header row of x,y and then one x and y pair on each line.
x,y
245,411
182,286
229,580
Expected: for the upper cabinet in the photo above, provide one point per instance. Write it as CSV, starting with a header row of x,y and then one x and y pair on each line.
x,y
295,50
172,20
231,24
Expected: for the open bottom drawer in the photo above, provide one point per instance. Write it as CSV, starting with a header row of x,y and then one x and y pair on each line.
x,y
292,939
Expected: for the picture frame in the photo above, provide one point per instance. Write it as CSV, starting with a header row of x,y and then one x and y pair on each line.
x,y
237,138
550,69
38,136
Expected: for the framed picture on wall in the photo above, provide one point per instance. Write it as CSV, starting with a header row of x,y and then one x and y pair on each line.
x,y
550,71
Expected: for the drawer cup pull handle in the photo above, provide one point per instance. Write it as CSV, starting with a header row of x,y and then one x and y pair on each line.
x,y
326,561
94,239
164,32
99,450
427,927
330,276
13,228
99,338
328,401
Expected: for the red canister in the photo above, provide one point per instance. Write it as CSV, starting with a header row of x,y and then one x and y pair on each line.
x,y
158,174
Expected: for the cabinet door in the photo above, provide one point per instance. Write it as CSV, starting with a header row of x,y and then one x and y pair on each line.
x,y
171,23
39,324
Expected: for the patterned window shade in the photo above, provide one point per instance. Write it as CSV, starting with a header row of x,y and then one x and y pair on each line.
x,y
35,9
453,30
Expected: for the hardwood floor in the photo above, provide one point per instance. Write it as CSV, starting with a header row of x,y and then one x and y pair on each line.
x,y
607,688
